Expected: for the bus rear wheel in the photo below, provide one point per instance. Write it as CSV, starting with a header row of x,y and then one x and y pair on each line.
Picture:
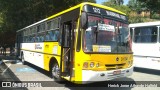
x,y
55,72
23,60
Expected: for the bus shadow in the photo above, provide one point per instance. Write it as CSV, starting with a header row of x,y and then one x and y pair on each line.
x,y
46,73
105,85
148,71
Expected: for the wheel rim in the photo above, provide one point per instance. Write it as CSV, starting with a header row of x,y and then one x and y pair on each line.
x,y
22,59
55,71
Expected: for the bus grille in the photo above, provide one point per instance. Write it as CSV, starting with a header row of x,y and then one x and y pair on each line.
x,y
114,66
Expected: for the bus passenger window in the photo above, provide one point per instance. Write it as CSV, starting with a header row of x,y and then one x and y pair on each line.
x,y
54,35
41,38
24,39
146,34
43,27
37,39
47,38
32,39
51,34
49,25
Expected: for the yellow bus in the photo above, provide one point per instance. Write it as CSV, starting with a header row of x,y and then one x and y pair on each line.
x,y
83,44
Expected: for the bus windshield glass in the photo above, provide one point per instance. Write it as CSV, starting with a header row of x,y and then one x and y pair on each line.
x,y
106,35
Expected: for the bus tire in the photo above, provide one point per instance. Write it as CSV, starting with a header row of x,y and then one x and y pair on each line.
x,y
55,72
23,60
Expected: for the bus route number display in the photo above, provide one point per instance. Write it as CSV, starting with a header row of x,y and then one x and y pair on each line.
x,y
93,9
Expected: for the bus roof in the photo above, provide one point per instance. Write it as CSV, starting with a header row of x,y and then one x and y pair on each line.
x,y
72,8
82,4
144,24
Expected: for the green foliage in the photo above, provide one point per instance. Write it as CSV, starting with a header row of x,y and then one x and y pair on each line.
x,y
20,13
1,20
156,16
16,14
122,8
145,5
152,5
136,19
136,5
113,2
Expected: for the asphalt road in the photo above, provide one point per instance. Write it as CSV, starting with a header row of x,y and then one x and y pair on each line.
x,y
10,70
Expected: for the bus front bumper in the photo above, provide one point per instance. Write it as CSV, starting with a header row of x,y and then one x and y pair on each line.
x,y
90,76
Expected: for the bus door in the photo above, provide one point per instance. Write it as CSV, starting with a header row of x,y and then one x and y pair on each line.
x,y
67,49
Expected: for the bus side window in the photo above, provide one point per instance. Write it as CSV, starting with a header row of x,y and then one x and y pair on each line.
x,y
54,35
37,38
41,38
47,38
146,34
51,34
49,25
131,32
26,39
32,38
137,35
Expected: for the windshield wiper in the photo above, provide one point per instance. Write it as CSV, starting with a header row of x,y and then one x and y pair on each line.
x,y
96,34
118,37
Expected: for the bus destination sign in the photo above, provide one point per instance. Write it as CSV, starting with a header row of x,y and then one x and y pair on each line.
x,y
93,9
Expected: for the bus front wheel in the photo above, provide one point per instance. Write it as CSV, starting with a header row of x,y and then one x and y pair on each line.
x,y
55,71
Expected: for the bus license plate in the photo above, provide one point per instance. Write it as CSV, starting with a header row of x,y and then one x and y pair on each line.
x,y
117,72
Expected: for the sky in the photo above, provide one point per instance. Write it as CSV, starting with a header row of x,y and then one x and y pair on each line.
x,y
100,1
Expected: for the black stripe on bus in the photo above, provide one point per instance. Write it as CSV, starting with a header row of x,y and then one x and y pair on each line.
x,y
146,56
41,52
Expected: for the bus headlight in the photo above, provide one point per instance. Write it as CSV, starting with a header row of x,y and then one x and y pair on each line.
x,y
129,63
92,64
97,65
85,65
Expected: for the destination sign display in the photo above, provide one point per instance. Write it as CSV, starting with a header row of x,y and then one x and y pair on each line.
x,y
93,9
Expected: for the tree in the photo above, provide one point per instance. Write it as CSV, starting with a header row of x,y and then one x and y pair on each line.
x,y
136,5
113,2
119,2
152,5
119,6
16,14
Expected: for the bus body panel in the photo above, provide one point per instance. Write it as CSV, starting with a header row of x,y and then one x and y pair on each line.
x,y
107,62
32,50
89,76
146,54
52,51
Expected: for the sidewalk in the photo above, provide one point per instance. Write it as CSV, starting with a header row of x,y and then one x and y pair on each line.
x,y
3,67
6,75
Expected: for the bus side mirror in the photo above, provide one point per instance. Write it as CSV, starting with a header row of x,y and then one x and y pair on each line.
x,y
84,20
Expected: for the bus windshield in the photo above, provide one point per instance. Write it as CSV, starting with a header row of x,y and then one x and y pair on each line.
x,y
106,35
